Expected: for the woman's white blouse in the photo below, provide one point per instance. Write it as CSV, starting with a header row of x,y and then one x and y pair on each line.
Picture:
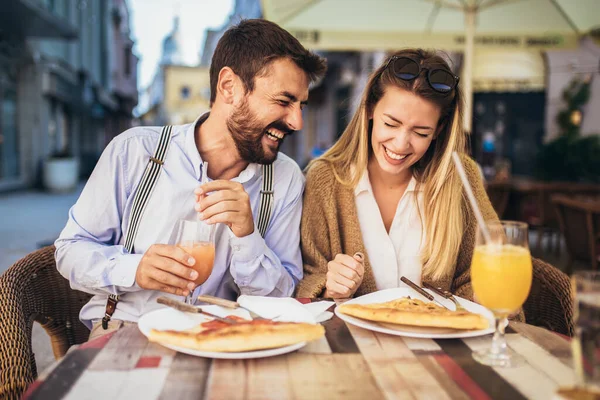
x,y
398,253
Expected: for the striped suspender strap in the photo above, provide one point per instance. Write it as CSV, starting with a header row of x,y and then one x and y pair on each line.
x,y
147,184
266,199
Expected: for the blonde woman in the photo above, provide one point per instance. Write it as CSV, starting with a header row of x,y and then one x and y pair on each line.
x,y
385,200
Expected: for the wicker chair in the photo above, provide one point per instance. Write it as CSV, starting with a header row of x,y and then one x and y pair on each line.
x,y
579,219
33,290
550,302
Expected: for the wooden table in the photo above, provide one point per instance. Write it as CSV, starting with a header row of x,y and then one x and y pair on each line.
x,y
349,363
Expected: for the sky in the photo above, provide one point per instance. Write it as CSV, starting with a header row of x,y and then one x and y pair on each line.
x,y
152,20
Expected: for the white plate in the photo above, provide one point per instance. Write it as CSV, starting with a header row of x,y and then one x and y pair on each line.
x,y
415,331
169,318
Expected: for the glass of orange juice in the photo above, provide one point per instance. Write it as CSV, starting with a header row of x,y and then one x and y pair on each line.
x,y
501,273
198,240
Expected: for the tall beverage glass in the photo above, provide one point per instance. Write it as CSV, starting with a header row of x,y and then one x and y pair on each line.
x,y
586,343
198,240
501,273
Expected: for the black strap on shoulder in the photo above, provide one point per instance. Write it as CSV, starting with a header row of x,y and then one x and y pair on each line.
x,y
145,187
265,208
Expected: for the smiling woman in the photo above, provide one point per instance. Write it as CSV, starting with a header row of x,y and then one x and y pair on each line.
x,y
404,125
395,158
388,188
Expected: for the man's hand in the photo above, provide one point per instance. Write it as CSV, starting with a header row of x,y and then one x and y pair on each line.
x,y
166,268
344,276
227,203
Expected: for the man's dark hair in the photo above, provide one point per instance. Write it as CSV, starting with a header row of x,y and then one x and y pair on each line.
x,y
250,46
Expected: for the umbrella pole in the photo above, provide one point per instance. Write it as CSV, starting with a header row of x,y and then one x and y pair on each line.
x,y
467,79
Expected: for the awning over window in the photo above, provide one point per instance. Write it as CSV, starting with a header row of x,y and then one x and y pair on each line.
x,y
361,25
513,71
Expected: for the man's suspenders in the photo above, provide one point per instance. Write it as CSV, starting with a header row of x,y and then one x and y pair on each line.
x,y
146,187
140,200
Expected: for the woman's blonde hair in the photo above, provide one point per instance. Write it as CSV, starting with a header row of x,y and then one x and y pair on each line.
x,y
442,190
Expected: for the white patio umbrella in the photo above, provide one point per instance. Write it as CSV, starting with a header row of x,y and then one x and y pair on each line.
x,y
451,25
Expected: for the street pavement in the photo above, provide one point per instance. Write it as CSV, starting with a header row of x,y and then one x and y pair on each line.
x,y
30,220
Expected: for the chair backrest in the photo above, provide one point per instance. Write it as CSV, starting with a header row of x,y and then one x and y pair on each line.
x,y
498,193
530,201
579,221
33,290
569,190
550,301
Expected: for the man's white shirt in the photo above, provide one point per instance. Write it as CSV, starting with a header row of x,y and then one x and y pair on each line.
x,y
90,250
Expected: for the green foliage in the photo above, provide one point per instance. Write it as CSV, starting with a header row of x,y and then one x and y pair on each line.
x,y
571,157
563,119
575,96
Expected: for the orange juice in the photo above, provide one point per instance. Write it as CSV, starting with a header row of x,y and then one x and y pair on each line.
x,y
204,254
501,276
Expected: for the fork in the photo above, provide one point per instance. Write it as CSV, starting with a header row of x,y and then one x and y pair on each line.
x,y
445,294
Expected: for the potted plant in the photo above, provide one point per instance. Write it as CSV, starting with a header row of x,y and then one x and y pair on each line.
x,y
61,172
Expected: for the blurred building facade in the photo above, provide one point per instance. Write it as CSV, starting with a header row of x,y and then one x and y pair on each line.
x,y
178,93
68,83
517,98
331,101
242,9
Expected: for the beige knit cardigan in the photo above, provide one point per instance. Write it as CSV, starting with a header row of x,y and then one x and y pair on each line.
x,y
330,226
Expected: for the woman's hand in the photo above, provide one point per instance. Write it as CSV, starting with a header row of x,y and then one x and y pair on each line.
x,y
344,276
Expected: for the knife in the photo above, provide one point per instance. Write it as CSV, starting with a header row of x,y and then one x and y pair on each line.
x,y
178,305
205,298
422,292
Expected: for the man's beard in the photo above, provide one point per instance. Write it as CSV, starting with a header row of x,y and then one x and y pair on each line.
x,y
247,133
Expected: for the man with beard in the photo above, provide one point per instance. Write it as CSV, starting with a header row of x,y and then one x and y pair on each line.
x,y
116,244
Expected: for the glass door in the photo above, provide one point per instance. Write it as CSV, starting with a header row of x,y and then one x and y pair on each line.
x,y
9,140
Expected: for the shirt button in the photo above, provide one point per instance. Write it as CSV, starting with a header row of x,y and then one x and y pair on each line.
x,y
236,247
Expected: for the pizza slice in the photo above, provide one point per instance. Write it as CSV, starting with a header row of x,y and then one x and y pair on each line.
x,y
407,311
217,336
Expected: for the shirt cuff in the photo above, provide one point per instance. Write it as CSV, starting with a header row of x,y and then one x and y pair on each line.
x,y
123,276
247,248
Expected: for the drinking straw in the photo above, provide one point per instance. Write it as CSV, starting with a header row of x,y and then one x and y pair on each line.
x,y
471,197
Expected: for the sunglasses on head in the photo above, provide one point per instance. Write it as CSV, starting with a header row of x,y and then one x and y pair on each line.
x,y
407,69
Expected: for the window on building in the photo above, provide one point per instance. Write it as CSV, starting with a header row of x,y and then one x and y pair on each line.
x,y
9,139
127,58
104,60
49,4
58,7
185,92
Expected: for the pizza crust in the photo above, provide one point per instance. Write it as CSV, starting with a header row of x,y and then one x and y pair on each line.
x,y
241,336
415,312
